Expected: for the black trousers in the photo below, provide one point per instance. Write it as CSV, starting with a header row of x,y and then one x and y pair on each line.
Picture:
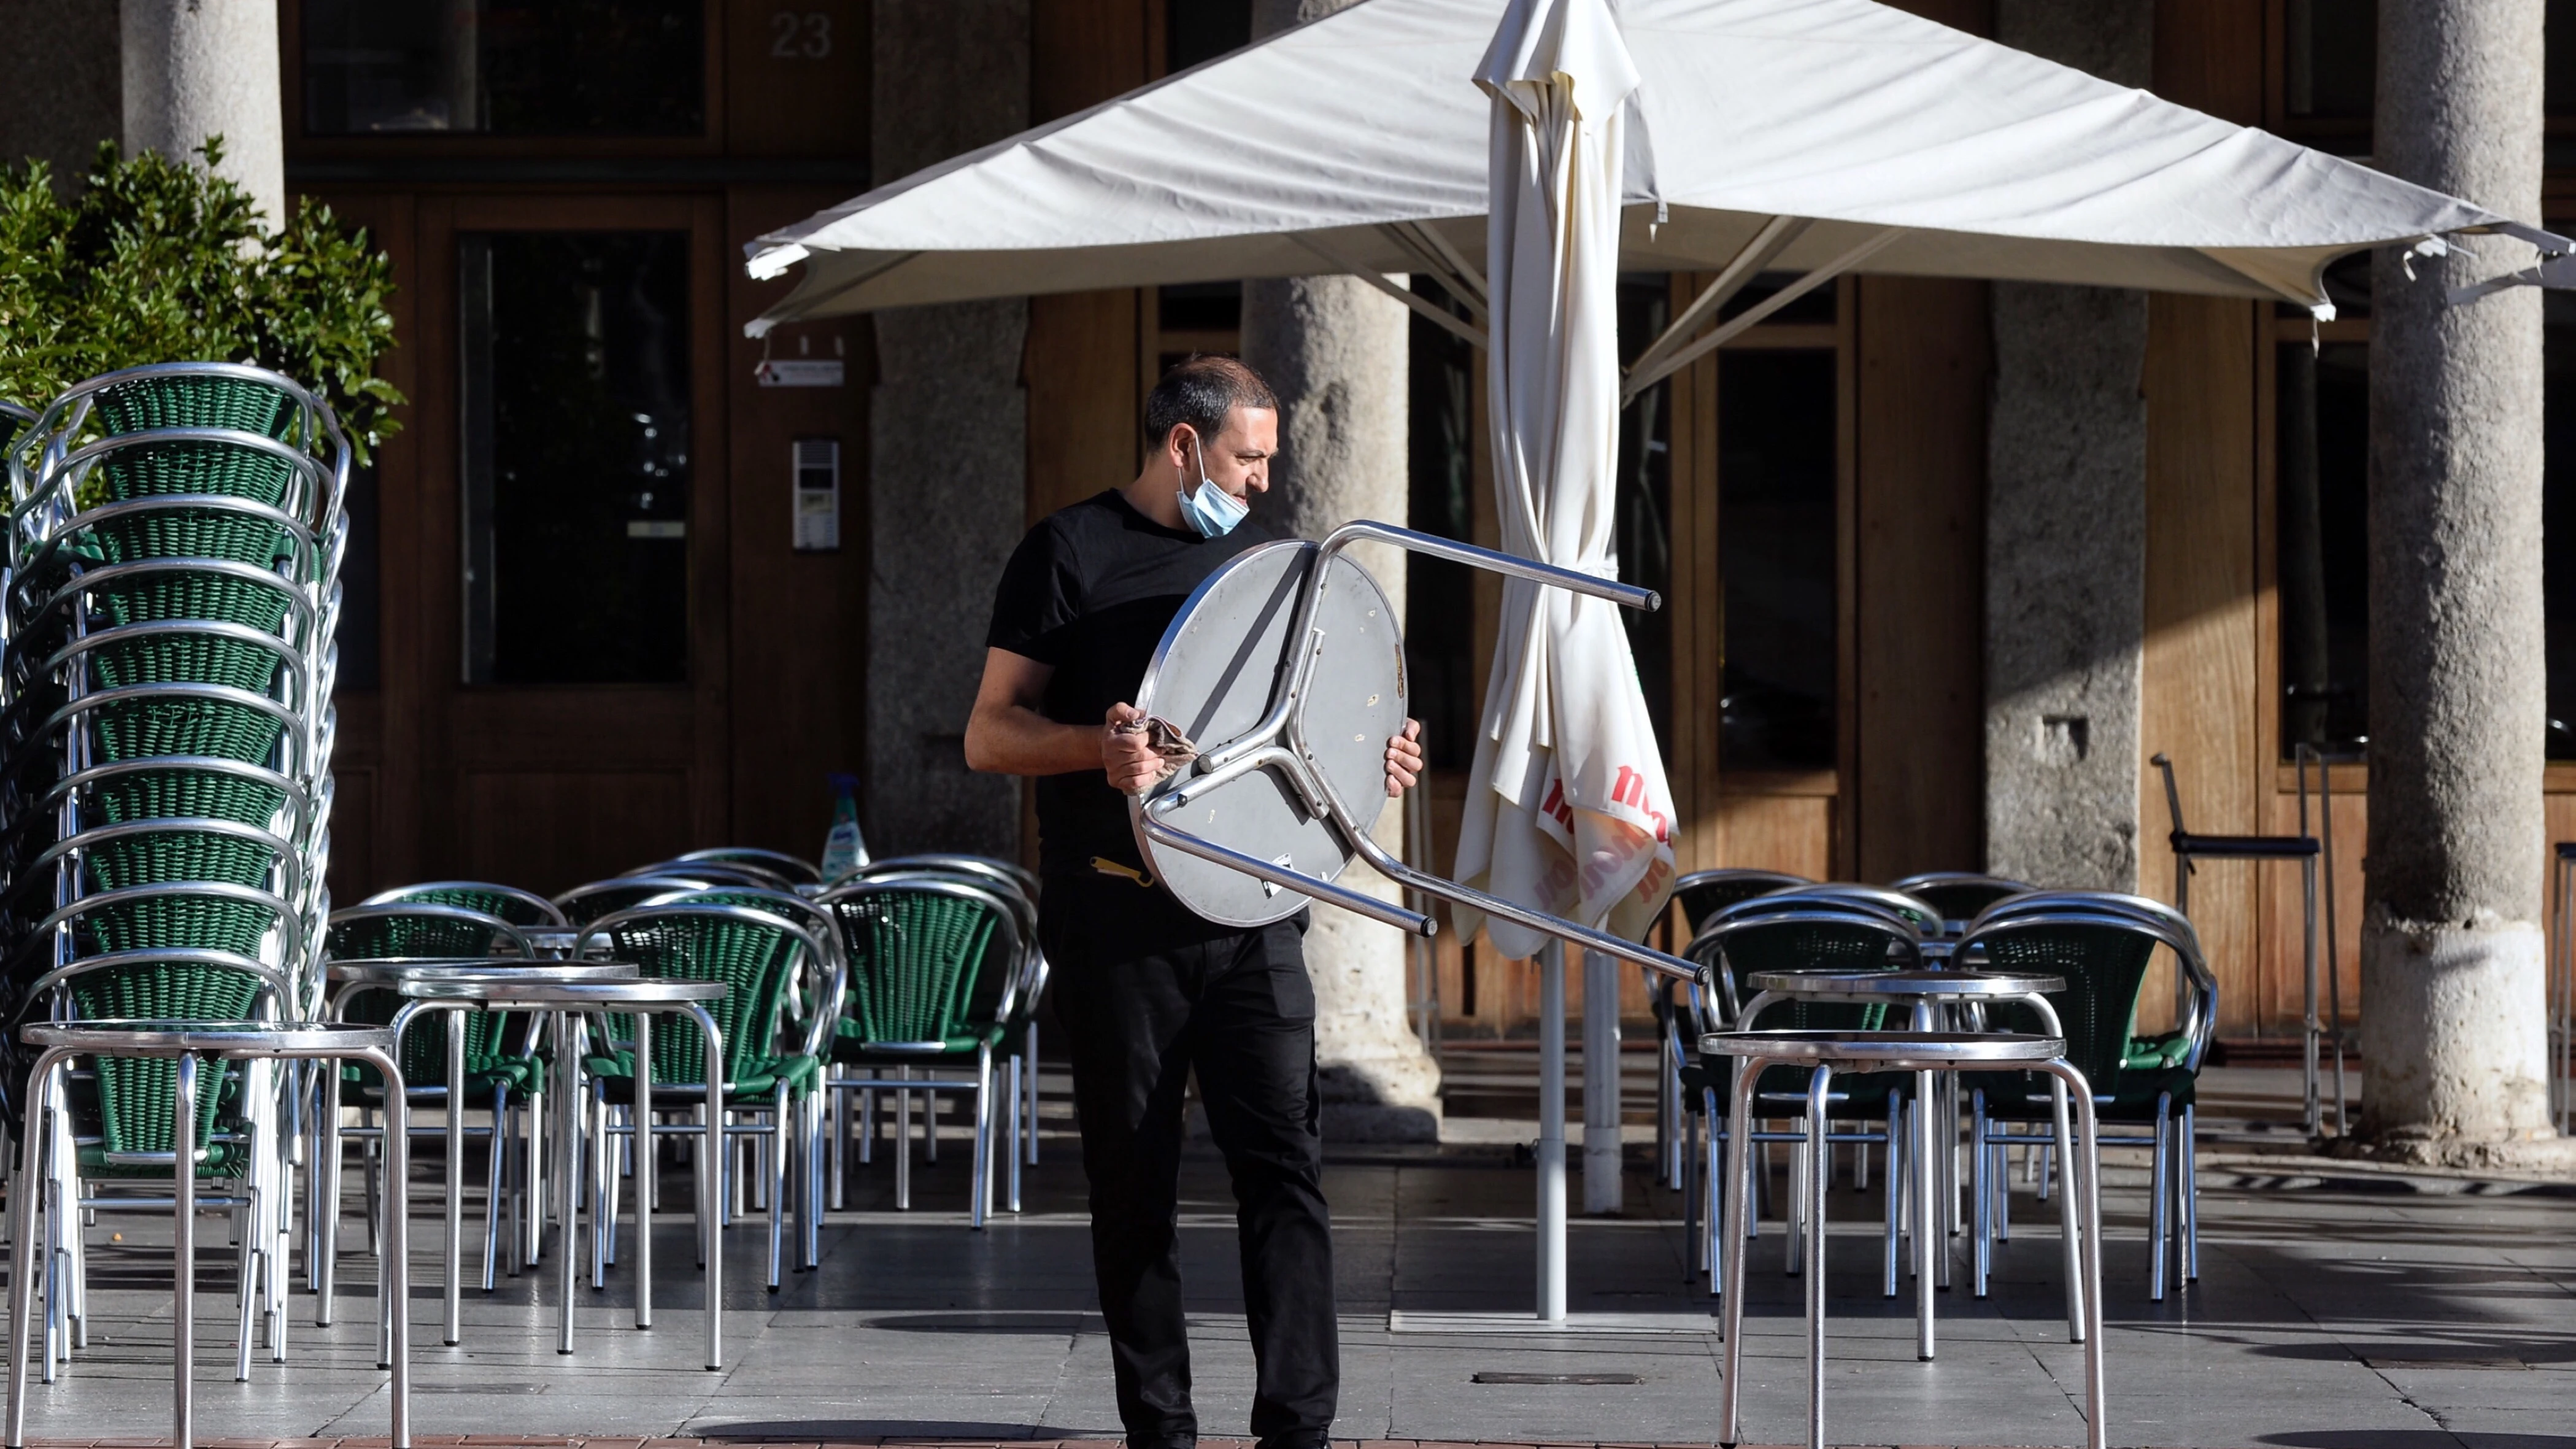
x,y
1145,999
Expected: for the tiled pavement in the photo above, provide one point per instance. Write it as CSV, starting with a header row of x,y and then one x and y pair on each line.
x,y
2370,1313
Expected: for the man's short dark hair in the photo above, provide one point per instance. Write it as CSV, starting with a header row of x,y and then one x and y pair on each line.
x,y
1200,390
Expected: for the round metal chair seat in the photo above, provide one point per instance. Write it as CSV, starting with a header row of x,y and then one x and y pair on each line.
x,y
109,1037
1887,1051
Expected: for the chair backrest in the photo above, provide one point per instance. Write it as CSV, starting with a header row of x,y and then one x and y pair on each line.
x,y
135,1095
1703,893
817,998
1017,878
518,907
1820,936
375,932
929,959
1925,916
719,872
2103,952
754,952
793,869
1959,895
584,904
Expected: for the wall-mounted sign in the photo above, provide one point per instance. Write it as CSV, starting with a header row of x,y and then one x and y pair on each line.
x,y
799,372
815,466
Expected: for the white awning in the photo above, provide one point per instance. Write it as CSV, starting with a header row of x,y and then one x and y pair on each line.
x,y
1839,134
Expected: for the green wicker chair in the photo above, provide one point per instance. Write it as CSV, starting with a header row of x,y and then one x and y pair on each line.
x,y
758,954
2103,944
936,964
112,1118
511,904
1960,896
1700,895
1703,893
795,870
587,903
1761,934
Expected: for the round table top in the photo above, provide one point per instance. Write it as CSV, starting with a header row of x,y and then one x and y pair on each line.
x,y
1887,1050
523,990
1919,985
394,970
143,1037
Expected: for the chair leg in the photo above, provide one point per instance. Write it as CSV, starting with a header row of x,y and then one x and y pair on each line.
x,y
2190,1197
979,1183
1895,1174
774,1163
1686,1144
2062,1152
2158,1226
1801,1177
930,1105
837,1114
1018,1124
2000,1175
495,1156
903,1146
1029,1048
867,1125
1981,1244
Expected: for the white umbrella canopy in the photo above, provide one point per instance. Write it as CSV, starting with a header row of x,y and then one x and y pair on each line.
x,y
1794,134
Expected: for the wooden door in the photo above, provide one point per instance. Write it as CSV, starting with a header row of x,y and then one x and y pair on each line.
x,y
556,663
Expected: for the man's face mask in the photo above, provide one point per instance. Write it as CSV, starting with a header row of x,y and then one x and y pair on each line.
x,y
1210,509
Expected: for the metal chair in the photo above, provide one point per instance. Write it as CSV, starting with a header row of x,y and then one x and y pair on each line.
x,y
2303,848
587,903
1699,895
511,904
1959,894
756,953
2102,944
1703,893
936,966
1755,935
793,869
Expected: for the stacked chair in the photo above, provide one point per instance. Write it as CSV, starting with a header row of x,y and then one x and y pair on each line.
x,y
165,738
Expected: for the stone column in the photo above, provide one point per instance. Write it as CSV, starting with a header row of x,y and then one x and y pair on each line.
x,y
199,68
1334,350
2451,953
2066,526
948,448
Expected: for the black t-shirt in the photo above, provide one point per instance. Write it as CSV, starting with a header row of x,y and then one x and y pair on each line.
x,y
1089,591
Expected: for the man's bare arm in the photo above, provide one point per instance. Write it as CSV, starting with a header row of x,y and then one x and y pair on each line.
x,y
1006,735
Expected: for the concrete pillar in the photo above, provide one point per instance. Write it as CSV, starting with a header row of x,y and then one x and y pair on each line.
x,y
2451,955
199,68
60,87
1334,350
948,448
2066,527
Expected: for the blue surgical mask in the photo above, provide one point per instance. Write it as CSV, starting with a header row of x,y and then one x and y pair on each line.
x,y
1210,509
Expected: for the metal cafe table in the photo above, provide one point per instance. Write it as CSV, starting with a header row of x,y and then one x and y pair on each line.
x,y
355,977
1930,993
186,1042
1825,1052
566,1001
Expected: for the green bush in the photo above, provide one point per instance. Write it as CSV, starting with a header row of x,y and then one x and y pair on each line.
x,y
164,261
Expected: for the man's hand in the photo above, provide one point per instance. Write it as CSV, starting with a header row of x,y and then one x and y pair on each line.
x,y
1128,756
1404,760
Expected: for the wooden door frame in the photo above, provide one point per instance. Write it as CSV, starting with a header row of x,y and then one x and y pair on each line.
x,y
456,723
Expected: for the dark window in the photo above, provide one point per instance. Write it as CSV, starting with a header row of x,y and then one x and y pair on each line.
x,y
361,589
1199,307
2324,544
1642,518
1197,30
577,456
1813,306
531,68
1440,596
2558,516
1775,541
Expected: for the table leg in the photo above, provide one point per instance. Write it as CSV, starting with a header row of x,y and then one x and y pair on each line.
x,y
1926,1230
1943,1217
23,1190
325,1269
397,1271
2088,1149
183,1254
567,1168
643,1153
1551,1133
1739,1201
1820,1170
711,1183
456,1172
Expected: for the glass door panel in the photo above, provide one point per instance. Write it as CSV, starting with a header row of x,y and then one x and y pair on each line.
x,y
576,428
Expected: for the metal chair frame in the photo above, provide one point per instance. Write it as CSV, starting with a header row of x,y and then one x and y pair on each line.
x,y
542,913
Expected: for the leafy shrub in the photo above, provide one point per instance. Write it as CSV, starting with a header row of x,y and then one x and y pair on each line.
x,y
164,261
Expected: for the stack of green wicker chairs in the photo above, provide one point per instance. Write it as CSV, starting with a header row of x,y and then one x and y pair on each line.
x,y
771,1074
940,966
175,534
